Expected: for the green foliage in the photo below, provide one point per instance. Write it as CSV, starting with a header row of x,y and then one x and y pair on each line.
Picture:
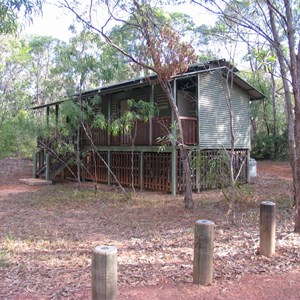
x,y
137,111
263,146
168,138
9,13
215,170
100,122
70,113
18,136
78,63
269,136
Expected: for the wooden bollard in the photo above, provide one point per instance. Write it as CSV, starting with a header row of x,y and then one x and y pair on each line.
x,y
267,228
203,252
104,273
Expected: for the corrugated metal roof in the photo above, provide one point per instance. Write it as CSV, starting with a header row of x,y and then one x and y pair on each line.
x,y
192,70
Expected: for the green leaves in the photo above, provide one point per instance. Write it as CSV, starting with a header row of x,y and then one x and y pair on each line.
x,y
137,111
9,13
17,135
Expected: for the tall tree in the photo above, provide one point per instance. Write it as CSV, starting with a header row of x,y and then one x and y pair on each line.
x,y
268,119
10,10
44,85
15,123
161,51
13,80
277,23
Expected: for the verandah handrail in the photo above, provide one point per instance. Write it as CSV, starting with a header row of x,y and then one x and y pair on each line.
x,y
160,127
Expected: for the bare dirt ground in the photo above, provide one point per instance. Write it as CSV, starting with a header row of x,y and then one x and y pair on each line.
x,y
47,234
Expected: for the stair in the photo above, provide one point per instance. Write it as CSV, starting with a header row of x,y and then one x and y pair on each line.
x,y
57,162
57,165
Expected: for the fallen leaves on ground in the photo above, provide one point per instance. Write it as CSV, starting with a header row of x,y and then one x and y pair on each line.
x,y
47,238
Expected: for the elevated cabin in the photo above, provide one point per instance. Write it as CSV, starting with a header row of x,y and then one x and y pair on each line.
x,y
201,95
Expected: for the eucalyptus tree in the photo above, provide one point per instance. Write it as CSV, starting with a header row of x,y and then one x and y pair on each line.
x,y
161,51
78,62
15,127
10,11
268,118
13,80
45,87
277,23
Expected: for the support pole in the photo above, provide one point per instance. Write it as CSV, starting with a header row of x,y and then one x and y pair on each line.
x,y
109,167
198,175
267,228
104,273
203,252
47,167
56,115
141,170
174,171
174,154
151,118
35,165
47,116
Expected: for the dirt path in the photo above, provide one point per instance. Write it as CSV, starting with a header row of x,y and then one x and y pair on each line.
x,y
11,170
278,287
36,261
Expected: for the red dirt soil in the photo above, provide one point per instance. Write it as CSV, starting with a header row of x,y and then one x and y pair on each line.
x,y
278,286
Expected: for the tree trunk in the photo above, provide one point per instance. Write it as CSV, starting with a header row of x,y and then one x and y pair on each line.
x,y
188,195
293,119
296,92
275,131
294,68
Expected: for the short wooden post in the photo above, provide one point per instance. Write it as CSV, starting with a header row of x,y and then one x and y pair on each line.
x,y
203,252
104,273
267,228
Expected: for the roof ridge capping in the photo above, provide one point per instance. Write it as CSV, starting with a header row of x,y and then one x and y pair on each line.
x,y
211,64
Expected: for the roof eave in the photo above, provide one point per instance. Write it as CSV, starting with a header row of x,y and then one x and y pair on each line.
x,y
251,90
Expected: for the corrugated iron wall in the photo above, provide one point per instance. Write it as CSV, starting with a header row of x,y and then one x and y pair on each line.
x,y
214,113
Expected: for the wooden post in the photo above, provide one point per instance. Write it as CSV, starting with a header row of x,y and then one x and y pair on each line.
x,y
47,116
151,118
104,273
174,171
47,167
198,108
56,115
198,175
109,167
141,170
203,252
174,154
267,228
35,165
248,164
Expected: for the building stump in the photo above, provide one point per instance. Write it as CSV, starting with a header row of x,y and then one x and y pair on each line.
x,y
267,228
203,252
104,273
